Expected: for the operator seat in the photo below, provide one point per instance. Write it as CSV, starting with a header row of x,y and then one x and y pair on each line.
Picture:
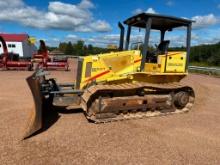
x,y
162,48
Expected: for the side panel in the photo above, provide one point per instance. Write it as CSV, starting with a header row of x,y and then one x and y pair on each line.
x,y
119,66
176,62
103,67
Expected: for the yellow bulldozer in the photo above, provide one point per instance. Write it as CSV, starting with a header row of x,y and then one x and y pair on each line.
x,y
126,84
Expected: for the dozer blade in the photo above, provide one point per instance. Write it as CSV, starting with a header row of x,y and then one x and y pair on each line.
x,y
34,122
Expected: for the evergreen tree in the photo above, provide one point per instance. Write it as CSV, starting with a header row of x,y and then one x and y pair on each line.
x,y
90,49
69,49
62,46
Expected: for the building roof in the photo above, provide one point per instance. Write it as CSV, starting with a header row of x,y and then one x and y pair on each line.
x,y
159,22
14,37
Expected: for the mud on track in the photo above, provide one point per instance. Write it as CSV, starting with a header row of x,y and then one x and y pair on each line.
x,y
191,138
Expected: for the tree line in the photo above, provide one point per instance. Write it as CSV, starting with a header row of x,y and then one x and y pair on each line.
x,y
80,48
208,55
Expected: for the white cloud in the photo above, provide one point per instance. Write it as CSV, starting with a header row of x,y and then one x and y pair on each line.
x,y
102,40
195,36
151,10
61,8
207,36
114,39
100,26
73,17
86,4
72,36
177,38
169,3
205,21
11,3
137,11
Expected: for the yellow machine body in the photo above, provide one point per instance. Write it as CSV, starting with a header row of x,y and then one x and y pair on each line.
x,y
127,84
122,67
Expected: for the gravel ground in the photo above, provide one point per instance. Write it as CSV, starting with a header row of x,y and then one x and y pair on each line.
x,y
191,138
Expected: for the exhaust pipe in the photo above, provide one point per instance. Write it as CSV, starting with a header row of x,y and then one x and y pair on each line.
x,y
121,43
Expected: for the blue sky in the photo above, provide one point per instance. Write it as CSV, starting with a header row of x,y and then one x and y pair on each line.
x,y
95,21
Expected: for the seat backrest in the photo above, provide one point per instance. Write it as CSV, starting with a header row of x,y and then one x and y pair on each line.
x,y
163,46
